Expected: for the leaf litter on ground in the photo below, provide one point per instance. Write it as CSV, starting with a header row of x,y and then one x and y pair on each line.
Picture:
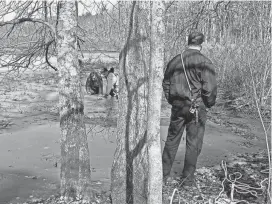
x,y
211,186
246,183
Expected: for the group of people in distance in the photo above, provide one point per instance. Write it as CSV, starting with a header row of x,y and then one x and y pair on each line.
x,y
106,80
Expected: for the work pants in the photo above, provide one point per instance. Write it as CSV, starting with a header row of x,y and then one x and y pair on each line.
x,y
181,118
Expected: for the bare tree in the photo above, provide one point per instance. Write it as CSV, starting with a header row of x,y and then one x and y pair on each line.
x,y
37,34
137,168
28,36
155,77
75,161
129,171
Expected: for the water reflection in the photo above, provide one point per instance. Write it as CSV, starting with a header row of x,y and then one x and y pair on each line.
x,y
101,111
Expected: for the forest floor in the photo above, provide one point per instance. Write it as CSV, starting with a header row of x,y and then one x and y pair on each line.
x,y
234,144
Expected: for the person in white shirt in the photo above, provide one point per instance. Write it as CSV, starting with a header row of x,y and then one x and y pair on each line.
x,y
111,83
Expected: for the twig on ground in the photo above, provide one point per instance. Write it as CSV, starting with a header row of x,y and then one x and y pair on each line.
x,y
7,123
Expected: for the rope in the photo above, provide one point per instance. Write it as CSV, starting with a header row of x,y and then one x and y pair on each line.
x,y
186,74
193,108
265,171
237,186
173,194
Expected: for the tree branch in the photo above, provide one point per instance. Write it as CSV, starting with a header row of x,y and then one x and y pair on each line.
x,y
46,55
22,20
170,4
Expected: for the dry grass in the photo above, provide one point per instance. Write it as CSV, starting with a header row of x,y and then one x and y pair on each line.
x,y
233,63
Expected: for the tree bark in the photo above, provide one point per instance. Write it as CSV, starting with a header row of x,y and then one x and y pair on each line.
x,y
129,171
45,11
75,161
270,165
155,78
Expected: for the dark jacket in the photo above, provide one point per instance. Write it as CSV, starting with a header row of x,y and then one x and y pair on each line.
x,y
201,75
94,82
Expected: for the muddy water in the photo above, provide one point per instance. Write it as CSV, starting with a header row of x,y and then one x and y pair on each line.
x,y
30,157
30,161
27,162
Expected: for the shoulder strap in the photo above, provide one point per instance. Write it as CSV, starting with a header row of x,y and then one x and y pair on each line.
x,y
186,74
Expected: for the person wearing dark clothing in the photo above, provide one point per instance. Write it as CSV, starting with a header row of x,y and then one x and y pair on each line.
x,y
105,72
94,83
190,87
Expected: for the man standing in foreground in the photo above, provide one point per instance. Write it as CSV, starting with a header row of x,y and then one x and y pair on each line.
x,y
190,87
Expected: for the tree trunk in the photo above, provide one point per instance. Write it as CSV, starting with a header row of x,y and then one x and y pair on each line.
x,y
45,11
155,78
270,164
129,171
75,161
